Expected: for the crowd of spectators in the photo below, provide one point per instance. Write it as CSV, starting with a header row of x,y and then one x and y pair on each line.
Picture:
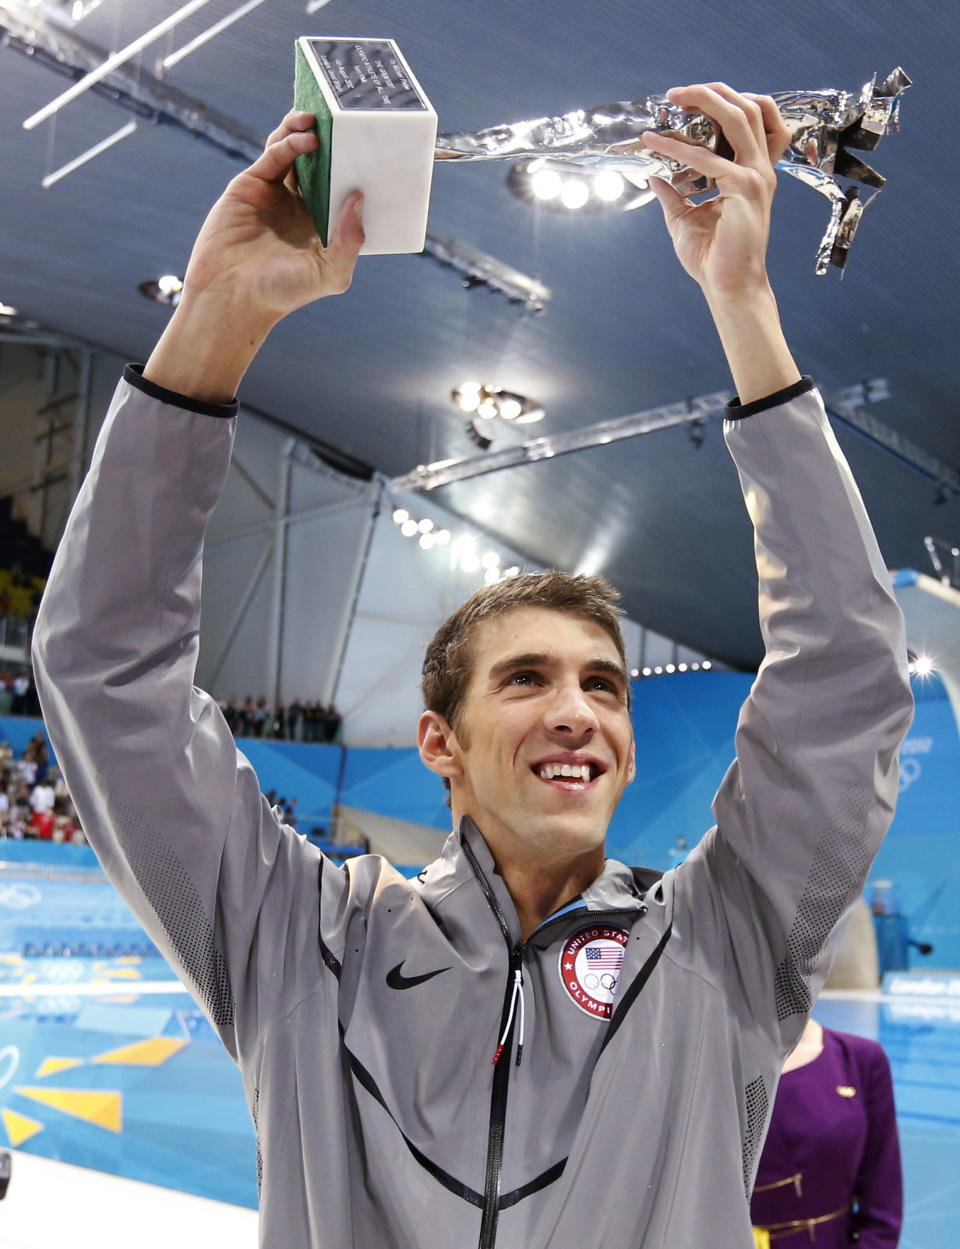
x,y
298,722
249,717
34,802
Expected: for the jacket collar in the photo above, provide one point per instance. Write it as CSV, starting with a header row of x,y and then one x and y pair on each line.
x,y
466,868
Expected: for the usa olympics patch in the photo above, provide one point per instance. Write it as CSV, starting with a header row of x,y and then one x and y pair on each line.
x,y
590,964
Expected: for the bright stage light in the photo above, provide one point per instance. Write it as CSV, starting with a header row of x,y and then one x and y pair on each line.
x,y
608,185
574,194
546,184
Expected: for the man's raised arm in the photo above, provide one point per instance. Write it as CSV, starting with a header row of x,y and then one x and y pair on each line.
x,y
256,259
801,812
173,811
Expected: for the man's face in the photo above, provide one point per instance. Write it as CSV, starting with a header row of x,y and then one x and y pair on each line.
x,y
543,740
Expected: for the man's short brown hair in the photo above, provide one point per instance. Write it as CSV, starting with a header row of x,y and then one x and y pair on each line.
x,y
448,662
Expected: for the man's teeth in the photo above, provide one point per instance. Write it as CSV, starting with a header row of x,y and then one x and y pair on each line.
x,y
575,771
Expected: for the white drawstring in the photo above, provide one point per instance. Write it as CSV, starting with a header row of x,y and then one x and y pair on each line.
x,y
514,996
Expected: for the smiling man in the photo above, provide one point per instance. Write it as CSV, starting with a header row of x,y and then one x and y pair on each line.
x,y
534,739
531,1046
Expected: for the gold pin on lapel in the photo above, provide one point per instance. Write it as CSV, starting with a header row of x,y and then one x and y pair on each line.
x,y
846,1090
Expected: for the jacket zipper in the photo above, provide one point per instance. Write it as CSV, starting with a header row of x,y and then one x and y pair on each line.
x,y
498,1115
501,1068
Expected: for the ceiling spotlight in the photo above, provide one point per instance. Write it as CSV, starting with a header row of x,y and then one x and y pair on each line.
x,y
706,665
546,184
671,668
564,186
574,193
608,186
490,401
681,667
164,290
468,396
469,562
7,310
922,666
426,534
492,576
512,571
634,672
658,671
647,672
490,559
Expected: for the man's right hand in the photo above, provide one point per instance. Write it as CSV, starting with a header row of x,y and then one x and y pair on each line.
x,y
256,259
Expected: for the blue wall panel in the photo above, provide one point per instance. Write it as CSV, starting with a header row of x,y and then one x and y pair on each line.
x,y
684,727
395,782
293,770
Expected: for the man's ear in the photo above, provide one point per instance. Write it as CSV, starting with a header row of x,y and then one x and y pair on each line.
x,y
632,772
438,745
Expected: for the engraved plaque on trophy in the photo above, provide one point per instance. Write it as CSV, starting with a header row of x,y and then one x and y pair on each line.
x,y
377,134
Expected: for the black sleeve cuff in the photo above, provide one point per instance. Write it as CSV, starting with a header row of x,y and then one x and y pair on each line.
x,y
736,411
133,375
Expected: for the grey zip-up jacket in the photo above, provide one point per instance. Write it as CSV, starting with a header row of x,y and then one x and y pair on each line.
x,y
365,1010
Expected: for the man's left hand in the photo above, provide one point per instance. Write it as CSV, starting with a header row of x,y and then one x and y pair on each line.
x,y
722,241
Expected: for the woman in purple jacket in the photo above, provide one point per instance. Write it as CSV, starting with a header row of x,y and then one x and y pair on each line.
x,y
830,1170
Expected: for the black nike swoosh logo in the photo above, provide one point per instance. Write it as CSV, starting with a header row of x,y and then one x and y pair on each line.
x,y
397,980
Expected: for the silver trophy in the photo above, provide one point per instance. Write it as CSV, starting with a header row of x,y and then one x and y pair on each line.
x,y
824,126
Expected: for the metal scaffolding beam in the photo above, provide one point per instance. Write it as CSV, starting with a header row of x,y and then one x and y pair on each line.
x,y
847,406
546,447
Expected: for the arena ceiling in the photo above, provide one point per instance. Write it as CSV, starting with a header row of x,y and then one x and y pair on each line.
x,y
624,330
